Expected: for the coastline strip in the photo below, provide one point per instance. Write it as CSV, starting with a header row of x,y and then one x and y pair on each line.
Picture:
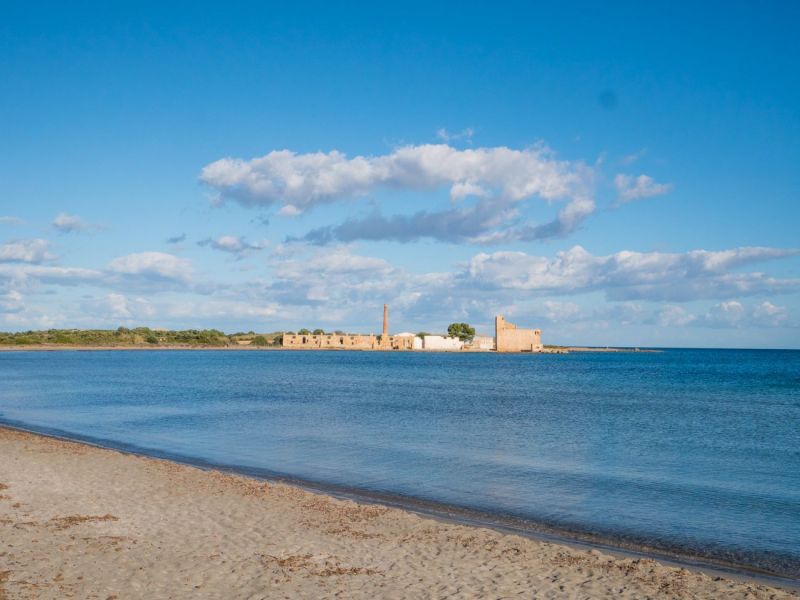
x,y
81,520
782,572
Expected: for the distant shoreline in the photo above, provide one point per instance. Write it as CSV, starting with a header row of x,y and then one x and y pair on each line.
x,y
251,348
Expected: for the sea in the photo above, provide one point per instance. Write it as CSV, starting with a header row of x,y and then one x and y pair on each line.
x,y
685,454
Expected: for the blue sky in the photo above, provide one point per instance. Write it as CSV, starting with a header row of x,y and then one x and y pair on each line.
x,y
621,174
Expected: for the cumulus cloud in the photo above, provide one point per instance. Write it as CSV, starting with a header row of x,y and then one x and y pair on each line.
x,y
30,274
152,265
333,276
6,220
66,223
118,306
633,275
235,245
336,285
561,311
726,314
769,315
489,221
289,210
498,178
153,271
33,251
339,262
631,188
674,316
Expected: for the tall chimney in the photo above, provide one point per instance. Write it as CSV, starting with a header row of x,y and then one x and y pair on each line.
x,y
386,321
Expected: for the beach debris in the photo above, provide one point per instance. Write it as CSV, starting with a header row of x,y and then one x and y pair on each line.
x,y
318,566
72,520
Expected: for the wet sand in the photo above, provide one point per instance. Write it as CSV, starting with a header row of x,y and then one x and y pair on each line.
x,y
77,521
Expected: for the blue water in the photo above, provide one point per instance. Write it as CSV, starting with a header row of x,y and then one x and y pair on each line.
x,y
691,451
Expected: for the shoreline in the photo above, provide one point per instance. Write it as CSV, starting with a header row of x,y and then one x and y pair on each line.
x,y
250,348
446,516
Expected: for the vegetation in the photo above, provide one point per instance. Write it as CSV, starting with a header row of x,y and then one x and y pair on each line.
x,y
137,336
462,331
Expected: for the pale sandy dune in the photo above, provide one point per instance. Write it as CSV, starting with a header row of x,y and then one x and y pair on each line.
x,y
82,522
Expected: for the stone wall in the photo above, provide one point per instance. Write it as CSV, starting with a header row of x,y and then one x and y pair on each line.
x,y
482,342
346,342
511,339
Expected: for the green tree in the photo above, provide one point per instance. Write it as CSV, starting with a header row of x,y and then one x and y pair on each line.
x,y
319,332
260,340
462,331
151,339
422,334
304,331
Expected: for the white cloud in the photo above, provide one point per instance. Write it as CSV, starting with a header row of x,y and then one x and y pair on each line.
x,y
33,251
561,311
336,287
117,306
236,245
631,275
769,315
674,316
726,314
11,302
24,274
465,189
214,309
631,188
339,262
66,223
289,210
158,265
498,177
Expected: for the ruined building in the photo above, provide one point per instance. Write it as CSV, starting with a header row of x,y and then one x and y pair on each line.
x,y
351,342
510,339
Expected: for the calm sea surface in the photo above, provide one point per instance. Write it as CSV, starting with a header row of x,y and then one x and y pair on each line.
x,y
693,451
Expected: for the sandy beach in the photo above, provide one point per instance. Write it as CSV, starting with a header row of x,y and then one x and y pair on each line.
x,y
78,521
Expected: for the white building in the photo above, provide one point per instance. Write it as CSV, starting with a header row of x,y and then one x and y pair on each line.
x,y
439,342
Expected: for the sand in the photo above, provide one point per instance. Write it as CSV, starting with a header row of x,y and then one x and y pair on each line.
x,y
78,521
